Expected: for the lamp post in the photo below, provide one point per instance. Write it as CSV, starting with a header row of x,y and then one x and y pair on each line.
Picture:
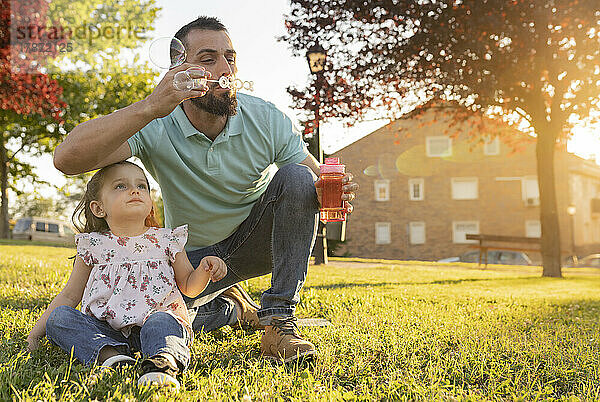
x,y
571,210
316,57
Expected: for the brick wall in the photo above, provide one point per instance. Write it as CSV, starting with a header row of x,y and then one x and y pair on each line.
x,y
390,154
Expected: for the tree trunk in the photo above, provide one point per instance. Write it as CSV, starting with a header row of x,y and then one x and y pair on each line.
x,y
550,242
3,190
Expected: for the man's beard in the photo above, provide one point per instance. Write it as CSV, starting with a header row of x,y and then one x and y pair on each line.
x,y
225,105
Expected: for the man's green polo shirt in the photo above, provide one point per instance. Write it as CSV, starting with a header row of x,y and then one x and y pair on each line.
x,y
212,185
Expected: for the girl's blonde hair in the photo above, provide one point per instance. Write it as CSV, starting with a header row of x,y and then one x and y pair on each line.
x,y
83,218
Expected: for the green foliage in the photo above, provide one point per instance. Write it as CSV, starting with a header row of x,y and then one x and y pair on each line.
x,y
101,30
159,207
400,331
37,205
112,86
97,78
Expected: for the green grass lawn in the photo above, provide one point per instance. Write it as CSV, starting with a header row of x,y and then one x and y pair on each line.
x,y
400,331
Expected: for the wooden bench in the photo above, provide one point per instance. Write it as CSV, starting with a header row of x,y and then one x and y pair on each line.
x,y
484,245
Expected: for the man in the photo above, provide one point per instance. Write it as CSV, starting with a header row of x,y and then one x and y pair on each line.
x,y
212,152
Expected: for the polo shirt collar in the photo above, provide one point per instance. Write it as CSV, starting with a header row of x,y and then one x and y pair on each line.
x,y
183,122
234,126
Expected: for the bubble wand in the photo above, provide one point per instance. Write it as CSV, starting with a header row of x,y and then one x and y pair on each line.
x,y
184,80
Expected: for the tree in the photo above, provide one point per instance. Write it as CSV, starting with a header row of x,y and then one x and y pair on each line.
x,y
34,204
536,60
23,98
98,81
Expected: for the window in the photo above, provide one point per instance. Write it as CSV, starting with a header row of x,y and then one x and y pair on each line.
x,y
52,228
438,146
461,229
383,233
506,258
473,256
382,190
465,188
22,225
491,146
531,192
40,227
513,258
416,189
533,229
416,232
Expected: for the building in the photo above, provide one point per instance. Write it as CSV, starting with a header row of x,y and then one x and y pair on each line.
x,y
422,189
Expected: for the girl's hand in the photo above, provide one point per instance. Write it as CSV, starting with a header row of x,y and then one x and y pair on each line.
x,y
215,266
33,342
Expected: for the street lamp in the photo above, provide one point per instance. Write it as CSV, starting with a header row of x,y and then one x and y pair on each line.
x,y
571,210
316,57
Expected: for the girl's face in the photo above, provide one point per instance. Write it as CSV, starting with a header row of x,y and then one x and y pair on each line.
x,y
124,197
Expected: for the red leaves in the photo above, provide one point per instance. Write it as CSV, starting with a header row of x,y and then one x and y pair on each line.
x,y
489,48
20,92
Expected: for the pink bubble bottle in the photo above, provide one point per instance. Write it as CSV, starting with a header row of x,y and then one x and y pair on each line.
x,y
332,206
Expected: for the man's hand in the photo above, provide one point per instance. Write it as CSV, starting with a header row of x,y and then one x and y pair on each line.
x,y
165,97
348,191
215,266
348,188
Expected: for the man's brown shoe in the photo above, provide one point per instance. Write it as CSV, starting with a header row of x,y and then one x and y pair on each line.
x,y
282,342
247,308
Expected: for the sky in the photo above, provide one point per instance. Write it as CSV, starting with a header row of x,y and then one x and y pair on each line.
x,y
254,27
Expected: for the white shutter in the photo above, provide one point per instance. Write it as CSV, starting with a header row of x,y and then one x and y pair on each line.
x,y
530,188
439,146
383,233
492,147
465,188
533,229
462,228
417,232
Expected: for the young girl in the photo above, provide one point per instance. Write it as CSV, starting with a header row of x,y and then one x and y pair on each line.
x,y
126,275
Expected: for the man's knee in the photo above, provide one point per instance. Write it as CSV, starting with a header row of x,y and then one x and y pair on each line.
x,y
297,180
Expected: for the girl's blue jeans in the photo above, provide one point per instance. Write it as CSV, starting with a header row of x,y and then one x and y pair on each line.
x,y
277,237
72,330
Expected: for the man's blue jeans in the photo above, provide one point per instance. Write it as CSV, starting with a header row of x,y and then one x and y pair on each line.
x,y
277,237
70,329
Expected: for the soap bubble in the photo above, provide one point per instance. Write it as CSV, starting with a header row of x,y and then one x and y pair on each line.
x,y
167,53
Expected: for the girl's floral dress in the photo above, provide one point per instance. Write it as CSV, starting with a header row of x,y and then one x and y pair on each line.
x,y
131,277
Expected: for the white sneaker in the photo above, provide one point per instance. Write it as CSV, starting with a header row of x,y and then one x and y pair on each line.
x,y
116,361
160,379
159,370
